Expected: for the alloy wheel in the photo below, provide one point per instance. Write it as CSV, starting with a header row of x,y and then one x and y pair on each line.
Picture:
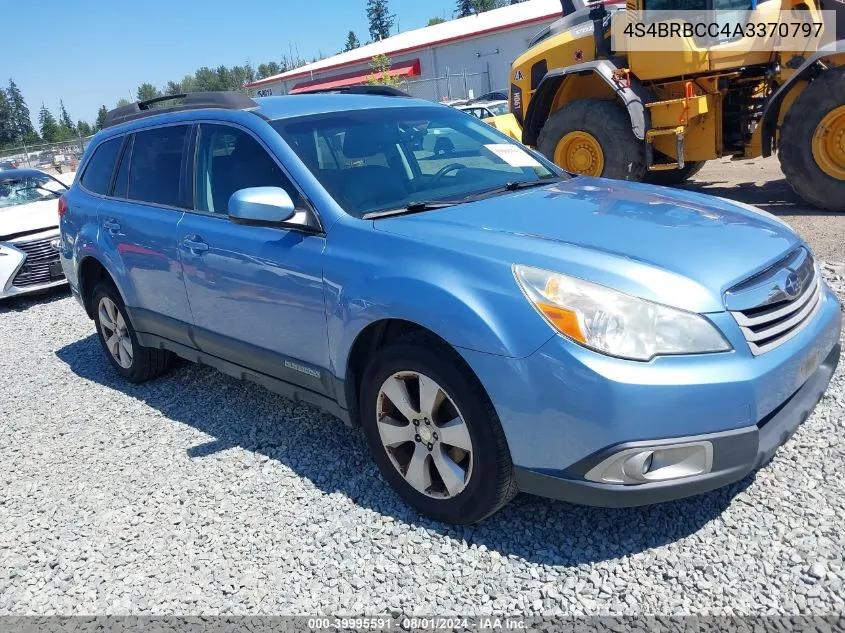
x,y
115,333
424,434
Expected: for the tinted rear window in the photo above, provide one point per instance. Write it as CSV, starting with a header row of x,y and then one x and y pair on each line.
x,y
156,165
97,176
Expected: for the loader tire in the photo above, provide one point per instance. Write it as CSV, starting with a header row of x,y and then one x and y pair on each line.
x,y
672,177
811,147
593,137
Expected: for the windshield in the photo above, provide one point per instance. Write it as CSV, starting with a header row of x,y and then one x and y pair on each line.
x,y
17,190
391,158
498,108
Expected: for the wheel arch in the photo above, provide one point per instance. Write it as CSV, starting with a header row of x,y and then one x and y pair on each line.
x,y
91,272
367,343
550,96
787,92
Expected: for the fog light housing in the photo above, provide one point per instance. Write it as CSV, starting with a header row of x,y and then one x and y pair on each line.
x,y
649,464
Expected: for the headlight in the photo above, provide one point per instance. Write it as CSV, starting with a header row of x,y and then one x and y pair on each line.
x,y
615,323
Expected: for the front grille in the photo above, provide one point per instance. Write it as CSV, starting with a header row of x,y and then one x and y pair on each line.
x,y
41,265
774,322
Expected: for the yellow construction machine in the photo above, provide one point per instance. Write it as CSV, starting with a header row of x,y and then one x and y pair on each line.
x,y
657,116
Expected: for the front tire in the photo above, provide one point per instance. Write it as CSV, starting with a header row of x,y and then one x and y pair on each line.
x,y
811,147
593,137
434,433
120,343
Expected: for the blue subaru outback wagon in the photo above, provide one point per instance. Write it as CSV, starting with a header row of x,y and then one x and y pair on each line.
x,y
492,323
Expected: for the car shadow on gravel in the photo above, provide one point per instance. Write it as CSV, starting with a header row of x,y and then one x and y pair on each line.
x,y
25,302
774,196
334,458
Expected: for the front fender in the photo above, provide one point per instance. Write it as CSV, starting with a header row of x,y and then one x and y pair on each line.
x,y
632,94
458,311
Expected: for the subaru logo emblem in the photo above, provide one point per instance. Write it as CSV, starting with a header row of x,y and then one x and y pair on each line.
x,y
792,287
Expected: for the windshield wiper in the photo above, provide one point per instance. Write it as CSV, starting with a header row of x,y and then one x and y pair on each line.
x,y
41,188
510,186
414,207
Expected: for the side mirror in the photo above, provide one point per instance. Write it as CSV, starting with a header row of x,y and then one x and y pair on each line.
x,y
261,206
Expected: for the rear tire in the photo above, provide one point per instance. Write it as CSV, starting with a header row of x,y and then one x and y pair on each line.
x,y
607,125
477,473
672,177
117,336
812,155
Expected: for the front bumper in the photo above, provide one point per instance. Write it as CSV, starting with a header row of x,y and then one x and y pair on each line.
x,y
735,454
565,409
24,271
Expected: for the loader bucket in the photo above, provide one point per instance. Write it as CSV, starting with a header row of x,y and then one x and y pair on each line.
x,y
507,124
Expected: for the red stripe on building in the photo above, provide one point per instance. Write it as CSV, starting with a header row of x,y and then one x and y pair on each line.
x,y
400,69
456,38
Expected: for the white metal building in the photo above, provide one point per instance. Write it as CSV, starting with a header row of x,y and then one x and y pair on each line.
x,y
454,60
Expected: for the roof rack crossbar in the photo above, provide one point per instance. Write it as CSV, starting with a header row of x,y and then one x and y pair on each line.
x,y
229,100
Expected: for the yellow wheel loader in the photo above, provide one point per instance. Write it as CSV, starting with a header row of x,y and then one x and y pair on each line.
x,y
657,116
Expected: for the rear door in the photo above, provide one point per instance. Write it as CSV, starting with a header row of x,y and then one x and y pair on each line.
x,y
138,222
256,293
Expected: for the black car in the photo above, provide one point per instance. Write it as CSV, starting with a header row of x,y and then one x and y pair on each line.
x,y
498,95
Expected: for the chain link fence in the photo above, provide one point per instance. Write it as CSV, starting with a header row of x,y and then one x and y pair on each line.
x,y
450,86
53,158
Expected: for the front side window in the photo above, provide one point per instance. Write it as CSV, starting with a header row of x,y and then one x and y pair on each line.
x,y
98,173
229,159
156,163
389,158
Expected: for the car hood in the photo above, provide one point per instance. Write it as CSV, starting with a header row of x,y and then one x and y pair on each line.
x,y
676,247
26,218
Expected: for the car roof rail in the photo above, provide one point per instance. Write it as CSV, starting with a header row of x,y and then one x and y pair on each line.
x,y
382,91
229,100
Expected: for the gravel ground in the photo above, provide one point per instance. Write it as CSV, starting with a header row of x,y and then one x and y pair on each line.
x,y
200,494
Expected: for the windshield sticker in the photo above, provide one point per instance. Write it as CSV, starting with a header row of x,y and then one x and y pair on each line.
x,y
513,156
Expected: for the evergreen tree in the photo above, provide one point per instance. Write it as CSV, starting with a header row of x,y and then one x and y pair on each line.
x,y
465,8
380,18
101,118
49,127
471,7
84,129
351,42
21,122
147,91
7,122
65,121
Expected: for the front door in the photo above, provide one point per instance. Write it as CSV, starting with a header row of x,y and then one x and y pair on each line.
x,y
256,293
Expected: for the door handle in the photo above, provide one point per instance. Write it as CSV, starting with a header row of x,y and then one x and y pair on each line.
x,y
111,226
195,244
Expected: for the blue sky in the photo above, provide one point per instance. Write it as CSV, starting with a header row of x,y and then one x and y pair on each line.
x,y
93,52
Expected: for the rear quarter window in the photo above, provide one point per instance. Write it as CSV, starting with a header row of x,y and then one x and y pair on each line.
x,y
98,173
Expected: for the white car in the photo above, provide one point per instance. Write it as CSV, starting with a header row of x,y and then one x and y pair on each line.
x,y
29,231
485,109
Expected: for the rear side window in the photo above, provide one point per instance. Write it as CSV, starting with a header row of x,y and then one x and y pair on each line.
x,y
156,162
97,176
